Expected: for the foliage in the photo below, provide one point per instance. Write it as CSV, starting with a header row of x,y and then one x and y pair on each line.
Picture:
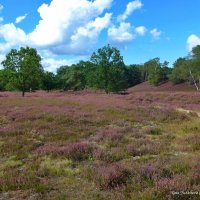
x,y
196,52
104,71
180,71
188,69
134,75
48,81
72,78
25,65
56,167
109,177
154,71
110,69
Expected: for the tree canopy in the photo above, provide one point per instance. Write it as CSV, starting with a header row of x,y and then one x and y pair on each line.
x,y
25,67
110,69
187,69
105,70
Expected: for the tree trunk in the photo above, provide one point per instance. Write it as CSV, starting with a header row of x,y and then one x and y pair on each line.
x,y
23,93
194,81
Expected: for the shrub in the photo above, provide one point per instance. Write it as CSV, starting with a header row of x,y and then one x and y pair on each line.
x,y
196,174
150,171
144,147
166,185
152,131
112,155
110,134
79,151
112,176
76,151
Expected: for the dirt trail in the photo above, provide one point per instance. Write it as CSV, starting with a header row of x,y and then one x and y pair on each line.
x,y
188,111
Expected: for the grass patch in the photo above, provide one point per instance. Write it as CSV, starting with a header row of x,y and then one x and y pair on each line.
x,y
57,167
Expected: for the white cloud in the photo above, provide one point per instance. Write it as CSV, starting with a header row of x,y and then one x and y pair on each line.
x,y
130,8
20,18
141,30
63,20
1,19
66,27
5,47
89,34
52,64
102,4
11,34
2,57
155,33
71,27
121,34
192,41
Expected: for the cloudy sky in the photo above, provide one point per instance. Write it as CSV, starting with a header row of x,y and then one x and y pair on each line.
x,y
66,31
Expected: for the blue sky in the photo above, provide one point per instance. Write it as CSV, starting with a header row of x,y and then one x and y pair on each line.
x,y
66,31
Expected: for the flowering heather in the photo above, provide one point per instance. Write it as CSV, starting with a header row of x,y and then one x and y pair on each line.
x,y
150,171
75,151
90,145
79,150
112,176
48,149
145,147
110,134
5,130
167,185
112,155
196,174
100,154
1,181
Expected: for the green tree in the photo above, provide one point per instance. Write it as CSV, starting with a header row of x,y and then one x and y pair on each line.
x,y
155,71
5,79
48,81
60,77
156,76
180,72
25,64
194,67
2,80
196,52
187,70
110,71
134,75
72,78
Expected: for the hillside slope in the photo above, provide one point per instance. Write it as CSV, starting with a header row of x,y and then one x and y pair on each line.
x,y
167,86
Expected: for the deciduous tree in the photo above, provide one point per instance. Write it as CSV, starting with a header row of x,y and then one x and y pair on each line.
x,y
25,64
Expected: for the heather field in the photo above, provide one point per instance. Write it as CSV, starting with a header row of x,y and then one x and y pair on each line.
x,y
93,146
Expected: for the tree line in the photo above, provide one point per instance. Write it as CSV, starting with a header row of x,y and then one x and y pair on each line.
x,y
105,70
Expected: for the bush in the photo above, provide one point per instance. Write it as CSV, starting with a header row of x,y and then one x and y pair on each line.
x,y
109,177
113,155
145,147
152,131
166,185
79,151
76,151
